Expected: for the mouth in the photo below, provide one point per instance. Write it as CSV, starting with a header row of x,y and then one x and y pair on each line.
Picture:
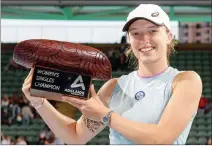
x,y
146,49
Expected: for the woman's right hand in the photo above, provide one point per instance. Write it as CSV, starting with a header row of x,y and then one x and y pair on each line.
x,y
26,89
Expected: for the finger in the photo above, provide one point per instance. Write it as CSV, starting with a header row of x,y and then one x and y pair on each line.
x,y
25,89
29,78
75,100
30,74
28,81
92,90
75,105
27,94
72,103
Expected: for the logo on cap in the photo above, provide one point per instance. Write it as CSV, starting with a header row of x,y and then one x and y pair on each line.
x,y
155,14
139,95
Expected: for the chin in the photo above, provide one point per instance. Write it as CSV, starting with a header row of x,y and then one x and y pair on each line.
x,y
148,61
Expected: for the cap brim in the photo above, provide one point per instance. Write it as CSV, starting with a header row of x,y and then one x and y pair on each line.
x,y
127,25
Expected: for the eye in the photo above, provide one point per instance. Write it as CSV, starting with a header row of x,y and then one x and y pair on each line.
x,y
134,34
152,31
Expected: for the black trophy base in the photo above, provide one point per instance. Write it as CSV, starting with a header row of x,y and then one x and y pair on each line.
x,y
52,84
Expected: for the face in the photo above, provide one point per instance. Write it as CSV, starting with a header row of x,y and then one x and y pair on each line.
x,y
149,41
5,97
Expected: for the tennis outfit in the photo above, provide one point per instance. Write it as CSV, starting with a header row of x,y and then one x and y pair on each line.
x,y
143,99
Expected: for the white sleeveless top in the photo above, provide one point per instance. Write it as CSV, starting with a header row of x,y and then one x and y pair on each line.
x,y
143,100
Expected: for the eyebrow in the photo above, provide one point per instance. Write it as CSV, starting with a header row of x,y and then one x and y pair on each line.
x,y
147,27
157,26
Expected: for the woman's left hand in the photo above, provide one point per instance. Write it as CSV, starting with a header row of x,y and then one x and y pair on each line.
x,y
92,108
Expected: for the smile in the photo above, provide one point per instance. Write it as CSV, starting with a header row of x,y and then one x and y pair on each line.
x,y
146,49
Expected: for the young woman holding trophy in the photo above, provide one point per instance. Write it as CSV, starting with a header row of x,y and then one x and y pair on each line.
x,y
155,104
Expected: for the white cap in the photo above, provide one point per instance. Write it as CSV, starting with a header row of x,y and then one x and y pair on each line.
x,y
150,12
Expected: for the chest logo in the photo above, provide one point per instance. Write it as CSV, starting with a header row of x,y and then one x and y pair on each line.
x,y
139,95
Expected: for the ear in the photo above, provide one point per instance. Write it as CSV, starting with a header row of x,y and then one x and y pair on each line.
x,y
170,37
128,37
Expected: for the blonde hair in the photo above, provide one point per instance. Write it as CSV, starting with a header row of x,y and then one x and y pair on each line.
x,y
133,61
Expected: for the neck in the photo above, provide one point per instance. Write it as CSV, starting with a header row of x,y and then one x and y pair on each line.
x,y
152,69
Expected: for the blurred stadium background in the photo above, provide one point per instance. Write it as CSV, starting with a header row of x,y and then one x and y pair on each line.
x,y
97,24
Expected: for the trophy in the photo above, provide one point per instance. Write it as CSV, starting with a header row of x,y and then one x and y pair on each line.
x,y
61,68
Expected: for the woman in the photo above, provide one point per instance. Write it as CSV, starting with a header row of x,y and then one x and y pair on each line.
x,y
155,104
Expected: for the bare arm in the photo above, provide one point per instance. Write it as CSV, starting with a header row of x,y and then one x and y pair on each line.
x,y
83,132
57,122
67,129
177,114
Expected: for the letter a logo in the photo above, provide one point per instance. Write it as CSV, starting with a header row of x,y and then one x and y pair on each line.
x,y
78,83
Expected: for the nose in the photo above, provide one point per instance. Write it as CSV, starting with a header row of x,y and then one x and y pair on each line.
x,y
144,38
